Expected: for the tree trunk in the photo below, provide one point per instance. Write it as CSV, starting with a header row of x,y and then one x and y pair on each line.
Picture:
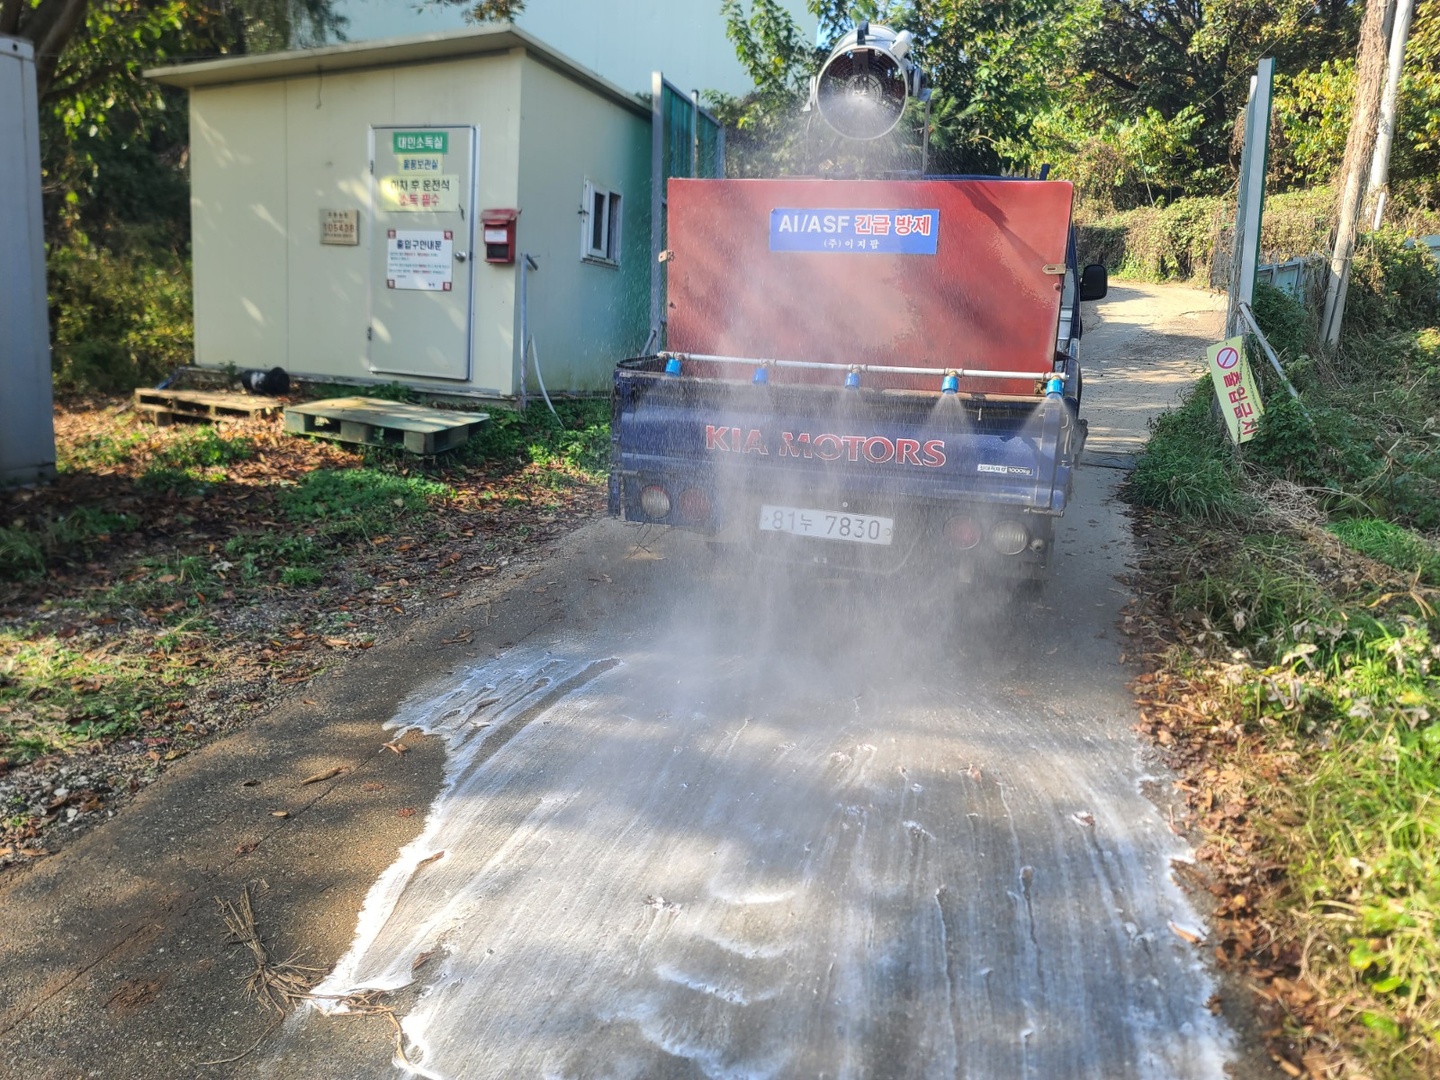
x,y
49,27
1369,81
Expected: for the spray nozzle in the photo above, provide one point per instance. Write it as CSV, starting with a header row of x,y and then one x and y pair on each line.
x,y
761,376
1054,386
852,379
672,366
950,384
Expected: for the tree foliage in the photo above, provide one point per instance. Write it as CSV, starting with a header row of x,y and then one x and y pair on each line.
x,y
114,152
483,11
1135,100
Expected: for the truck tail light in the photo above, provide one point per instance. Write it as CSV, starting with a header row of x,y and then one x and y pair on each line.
x,y
962,532
694,506
655,501
1009,537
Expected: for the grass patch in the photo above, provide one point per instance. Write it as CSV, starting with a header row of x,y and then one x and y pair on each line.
x,y
209,605
1188,469
577,445
54,697
1397,547
1313,682
1258,590
105,450
167,589
194,462
358,502
1364,862
202,447
1370,444
26,552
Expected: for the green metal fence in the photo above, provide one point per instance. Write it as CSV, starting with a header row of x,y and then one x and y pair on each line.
x,y
686,141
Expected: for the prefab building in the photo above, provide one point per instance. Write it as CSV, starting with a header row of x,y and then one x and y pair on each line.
x,y
362,212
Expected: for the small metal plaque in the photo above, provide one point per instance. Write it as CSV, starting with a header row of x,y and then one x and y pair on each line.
x,y
340,227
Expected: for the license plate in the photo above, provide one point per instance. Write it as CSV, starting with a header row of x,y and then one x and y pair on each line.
x,y
827,524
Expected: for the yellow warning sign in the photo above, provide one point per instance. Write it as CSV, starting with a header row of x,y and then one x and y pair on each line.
x,y
1235,388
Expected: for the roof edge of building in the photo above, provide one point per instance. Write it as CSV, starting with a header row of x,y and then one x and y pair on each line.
x,y
386,52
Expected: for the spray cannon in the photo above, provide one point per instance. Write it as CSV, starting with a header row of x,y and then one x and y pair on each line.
x,y
863,84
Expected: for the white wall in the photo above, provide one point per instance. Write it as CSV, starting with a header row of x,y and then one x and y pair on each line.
x,y
584,316
623,40
268,156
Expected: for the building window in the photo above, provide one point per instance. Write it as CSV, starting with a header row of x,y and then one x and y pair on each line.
x,y
600,225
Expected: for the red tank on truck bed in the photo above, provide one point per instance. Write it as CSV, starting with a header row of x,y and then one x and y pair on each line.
x,y
944,274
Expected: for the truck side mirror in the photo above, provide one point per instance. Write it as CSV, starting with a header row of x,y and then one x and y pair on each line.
x,y
1094,282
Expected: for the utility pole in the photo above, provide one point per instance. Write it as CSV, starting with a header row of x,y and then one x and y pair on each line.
x,y
1389,106
1369,80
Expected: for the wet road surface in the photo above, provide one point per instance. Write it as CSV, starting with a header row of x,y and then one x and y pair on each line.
x,y
724,821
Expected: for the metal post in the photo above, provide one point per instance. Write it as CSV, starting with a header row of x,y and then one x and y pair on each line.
x,y
527,263
1251,199
657,202
925,139
27,410
694,132
1380,163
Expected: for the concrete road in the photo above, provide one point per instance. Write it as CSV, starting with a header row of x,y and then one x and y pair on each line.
x,y
682,817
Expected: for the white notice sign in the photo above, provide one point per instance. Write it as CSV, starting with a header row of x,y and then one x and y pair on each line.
x,y
420,260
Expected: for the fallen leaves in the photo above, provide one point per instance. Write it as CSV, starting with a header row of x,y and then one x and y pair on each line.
x,y
327,774
135,599
1183,934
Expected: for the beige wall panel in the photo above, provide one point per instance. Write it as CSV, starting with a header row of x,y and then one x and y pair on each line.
x,y
327,139
330,118
240,230
583,316
269,156
484,91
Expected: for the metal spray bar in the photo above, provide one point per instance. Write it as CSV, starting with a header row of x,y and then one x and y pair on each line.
x,y
879,369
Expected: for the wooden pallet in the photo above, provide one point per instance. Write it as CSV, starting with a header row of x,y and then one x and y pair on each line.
x,y
207,406
416,428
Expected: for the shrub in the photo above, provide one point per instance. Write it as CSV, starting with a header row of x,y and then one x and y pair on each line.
x,y
1392,286
1188,469
1283,319
1287,443
121,313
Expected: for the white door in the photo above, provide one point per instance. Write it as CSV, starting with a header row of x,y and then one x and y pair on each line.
x,y
422,191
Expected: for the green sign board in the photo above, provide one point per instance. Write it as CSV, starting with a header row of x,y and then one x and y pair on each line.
x,y
422,142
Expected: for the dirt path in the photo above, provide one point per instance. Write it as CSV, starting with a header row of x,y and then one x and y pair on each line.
x,y
680,818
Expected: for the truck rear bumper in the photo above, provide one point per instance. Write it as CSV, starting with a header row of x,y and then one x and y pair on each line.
x,y
828,528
